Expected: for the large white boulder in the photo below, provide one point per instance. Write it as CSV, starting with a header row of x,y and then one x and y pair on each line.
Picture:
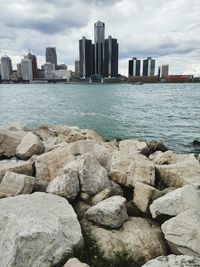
x,y
143,195
174,261
66,185
51,164
73,262
176,201
170,157
18,166
14,184
132,146
139,239
30,145
37,230
92,176
9,140
183,233
110,212
127,169
180,173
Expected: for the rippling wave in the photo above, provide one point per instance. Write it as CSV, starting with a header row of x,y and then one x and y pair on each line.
x,y
166,112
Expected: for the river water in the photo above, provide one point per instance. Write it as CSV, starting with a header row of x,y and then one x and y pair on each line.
x,y
165,112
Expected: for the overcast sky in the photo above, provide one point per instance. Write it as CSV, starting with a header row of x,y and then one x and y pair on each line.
x,y
167,30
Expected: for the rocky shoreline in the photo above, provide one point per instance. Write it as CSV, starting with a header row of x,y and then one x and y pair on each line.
x,y
69,198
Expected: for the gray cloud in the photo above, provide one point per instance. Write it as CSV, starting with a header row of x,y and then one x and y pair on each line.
x,y
166,30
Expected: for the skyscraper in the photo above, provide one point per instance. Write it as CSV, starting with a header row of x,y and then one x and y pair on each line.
x,y
77,68
34,64
6,68
148,67
85,58
26,69
164,71
99,36
51,56
134,67
110,66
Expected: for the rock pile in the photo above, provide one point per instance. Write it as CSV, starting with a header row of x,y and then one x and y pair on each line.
x,y
68,198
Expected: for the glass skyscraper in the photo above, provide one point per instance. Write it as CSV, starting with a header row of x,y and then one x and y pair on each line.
x,y
99,36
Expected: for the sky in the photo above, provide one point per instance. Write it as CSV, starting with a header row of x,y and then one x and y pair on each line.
x,y
167,30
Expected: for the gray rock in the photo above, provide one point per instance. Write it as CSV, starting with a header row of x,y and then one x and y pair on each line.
x,y
143,195
110,212
9,140
37,230
73,262
17,166
140,239
170,157
127,169
183,233
66,185
14,184
93,177
51,164
180,173
30,145
132,146
176,202
174,261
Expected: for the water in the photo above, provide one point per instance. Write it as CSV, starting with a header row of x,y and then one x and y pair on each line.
x,y
165,112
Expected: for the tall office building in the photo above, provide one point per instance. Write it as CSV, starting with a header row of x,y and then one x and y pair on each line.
x,y
134,67
51,56
34,64
6,68
110,66
86,58
77,68
19,71
26,69
164,71
99,36
149,67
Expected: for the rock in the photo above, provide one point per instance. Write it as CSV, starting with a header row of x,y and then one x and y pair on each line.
x,y
14,184
103,152
176,202
155,146
132,146
127,169
170,157
92,176
104,194
110,212
174,260
51,164
196,143
51,143
183,233
143,195
69,134
37,230
73,262
139,239
155,155
30,145
180,173
9,140
17,166
66,185
92,135
45,132
112,190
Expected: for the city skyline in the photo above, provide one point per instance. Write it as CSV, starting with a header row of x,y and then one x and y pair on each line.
x,y
165,31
